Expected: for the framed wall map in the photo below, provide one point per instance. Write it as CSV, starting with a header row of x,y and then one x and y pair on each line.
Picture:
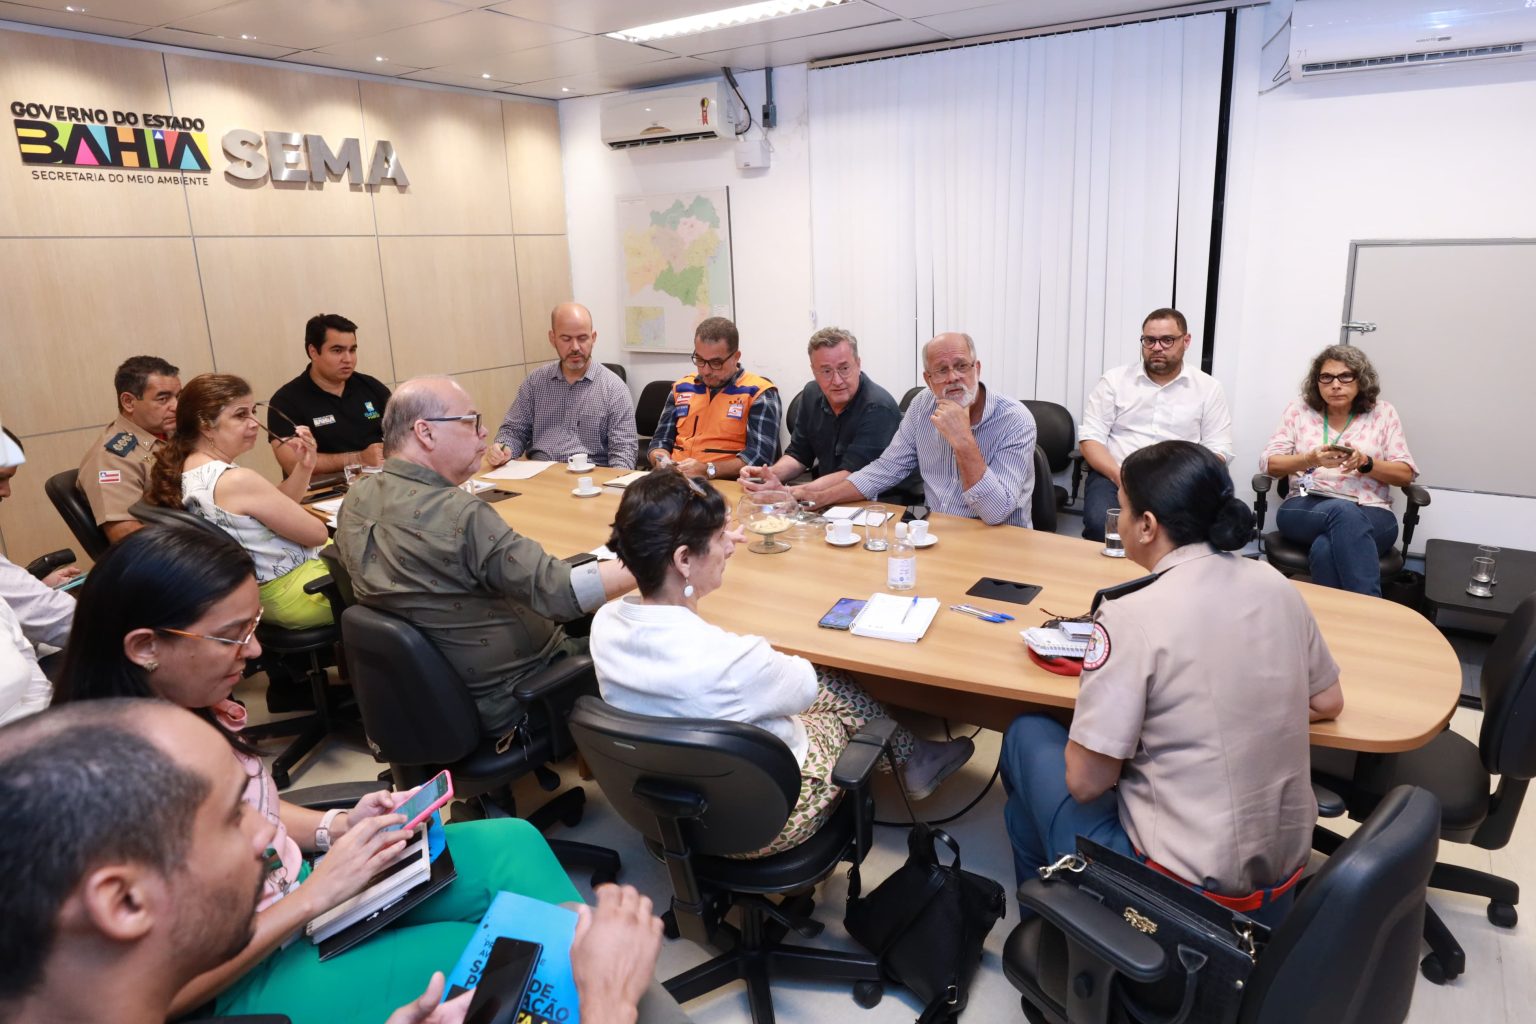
x,y
677,266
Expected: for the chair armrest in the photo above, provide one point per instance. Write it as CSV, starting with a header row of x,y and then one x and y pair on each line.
x,y
862,754
1097,929
554,690
341,795
42,566
547,682
327,587
1329,803
1417,494
1078,462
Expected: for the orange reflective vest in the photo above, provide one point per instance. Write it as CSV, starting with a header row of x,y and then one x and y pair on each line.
x,y
713,428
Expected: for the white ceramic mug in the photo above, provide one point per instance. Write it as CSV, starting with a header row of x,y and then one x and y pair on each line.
x,y
578,461
917,531
840,531
584,484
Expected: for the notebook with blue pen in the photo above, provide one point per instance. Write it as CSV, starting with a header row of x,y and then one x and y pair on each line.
x,y
891,617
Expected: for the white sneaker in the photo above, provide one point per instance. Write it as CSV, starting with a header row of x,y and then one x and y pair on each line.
x,y
931,763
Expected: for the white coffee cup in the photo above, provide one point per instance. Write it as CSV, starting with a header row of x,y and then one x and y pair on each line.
x,y
840,531
917,531
584,483
578,461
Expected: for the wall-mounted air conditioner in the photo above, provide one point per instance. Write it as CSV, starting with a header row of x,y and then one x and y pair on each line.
x,y
683,113
1331,37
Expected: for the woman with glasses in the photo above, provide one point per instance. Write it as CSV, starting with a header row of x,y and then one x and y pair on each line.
x,y
171,612
671,532
1342,446
215,424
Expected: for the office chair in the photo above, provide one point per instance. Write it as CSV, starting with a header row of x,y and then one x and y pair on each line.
x,y
1044,496
619,371
699,790
653,398
1291,558
792,412
1344,955
420,718
1460,774
1057,434
64,491
906,399
287,653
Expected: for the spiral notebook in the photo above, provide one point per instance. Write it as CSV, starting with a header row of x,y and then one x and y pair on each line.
x,y
1053,643
888,617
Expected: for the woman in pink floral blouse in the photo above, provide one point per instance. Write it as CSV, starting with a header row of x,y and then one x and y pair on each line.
x,y
1343,448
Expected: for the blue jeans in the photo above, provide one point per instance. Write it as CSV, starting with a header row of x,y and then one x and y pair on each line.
x,y
1347,540
1099,495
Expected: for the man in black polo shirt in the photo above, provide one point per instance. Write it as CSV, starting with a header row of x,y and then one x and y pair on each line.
x,y
844,421
343,408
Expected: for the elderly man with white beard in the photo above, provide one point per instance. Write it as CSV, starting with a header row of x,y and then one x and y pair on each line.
x,y
974,448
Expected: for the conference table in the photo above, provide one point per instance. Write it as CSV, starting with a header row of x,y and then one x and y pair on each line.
x,y
1401,678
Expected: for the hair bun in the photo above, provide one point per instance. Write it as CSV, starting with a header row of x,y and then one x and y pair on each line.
x,y
1233,527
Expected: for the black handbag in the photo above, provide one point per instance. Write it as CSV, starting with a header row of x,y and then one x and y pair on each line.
x,y
1213,948
926,923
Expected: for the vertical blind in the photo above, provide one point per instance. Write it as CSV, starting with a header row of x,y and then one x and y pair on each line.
x,y
1041,195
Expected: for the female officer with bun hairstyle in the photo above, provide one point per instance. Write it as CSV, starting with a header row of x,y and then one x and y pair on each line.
x,y
1188,747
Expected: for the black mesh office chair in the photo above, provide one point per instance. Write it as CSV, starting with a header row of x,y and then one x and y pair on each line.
x,y
290,654
653,398
1344,955
618,369
1057,434
699,790
420,718
1291,558
1042,500
1460,774
64,491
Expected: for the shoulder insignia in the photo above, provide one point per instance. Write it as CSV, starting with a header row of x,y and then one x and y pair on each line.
x,y
1121,589
1098,648
121,443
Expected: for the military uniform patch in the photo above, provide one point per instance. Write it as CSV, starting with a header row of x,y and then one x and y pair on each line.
x,y
120,444
1098,648
109,476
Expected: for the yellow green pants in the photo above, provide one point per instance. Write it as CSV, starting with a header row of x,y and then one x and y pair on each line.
x,y
284,603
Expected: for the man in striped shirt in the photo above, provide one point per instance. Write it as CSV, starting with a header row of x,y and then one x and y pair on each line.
x,y
572,405
974,448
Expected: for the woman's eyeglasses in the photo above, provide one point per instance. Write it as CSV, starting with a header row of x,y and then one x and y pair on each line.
x,y
1342,378
242,642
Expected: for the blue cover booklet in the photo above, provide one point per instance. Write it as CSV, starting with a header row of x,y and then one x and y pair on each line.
x,y
552,995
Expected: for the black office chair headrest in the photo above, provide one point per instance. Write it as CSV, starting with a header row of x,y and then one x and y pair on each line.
x,y
1348,953
745,780
1054,430
1508,739
63,490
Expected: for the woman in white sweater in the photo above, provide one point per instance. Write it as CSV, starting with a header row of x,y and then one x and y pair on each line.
x,y
671,533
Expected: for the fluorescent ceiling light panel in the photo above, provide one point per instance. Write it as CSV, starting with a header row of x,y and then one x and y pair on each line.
x,y
731,16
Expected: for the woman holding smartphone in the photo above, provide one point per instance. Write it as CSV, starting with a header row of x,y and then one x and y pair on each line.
x,y
171,612
1343,448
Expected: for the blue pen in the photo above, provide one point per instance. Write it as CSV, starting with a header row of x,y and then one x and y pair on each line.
x,y
966,609
908,611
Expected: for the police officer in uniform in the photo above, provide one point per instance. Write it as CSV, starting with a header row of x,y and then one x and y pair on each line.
x,y
116,467
1189,744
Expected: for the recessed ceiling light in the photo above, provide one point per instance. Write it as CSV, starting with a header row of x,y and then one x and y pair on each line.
x,y
74,9
381,59
742,15
485,74
246,35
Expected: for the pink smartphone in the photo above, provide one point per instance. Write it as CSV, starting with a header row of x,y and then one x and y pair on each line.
x,y
431,796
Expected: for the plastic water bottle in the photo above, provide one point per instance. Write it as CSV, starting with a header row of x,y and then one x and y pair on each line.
x,y
901,563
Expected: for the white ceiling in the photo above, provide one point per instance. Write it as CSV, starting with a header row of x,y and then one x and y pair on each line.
x,y
548,48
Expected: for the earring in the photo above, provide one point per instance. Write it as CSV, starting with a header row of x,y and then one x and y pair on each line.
x,y
151,666
688,590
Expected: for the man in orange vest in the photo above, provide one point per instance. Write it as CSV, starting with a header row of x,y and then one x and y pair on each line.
x,y
720,419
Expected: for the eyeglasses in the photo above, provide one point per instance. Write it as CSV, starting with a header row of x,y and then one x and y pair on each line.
x,y
466,418
959,369
1160,341
1347,377
242,642
845,372
713,364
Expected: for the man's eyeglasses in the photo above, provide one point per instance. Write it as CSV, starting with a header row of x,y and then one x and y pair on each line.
x,y
845,372
1160,341
713,364
241,643
1348,377
466,418
959,369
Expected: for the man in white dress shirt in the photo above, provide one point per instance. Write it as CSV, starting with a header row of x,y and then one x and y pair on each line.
x,y
1133,406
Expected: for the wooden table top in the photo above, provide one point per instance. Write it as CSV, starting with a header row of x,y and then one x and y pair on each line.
x,y
1401,678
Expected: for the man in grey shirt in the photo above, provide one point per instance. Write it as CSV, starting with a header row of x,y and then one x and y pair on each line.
x,y
418,547
572,405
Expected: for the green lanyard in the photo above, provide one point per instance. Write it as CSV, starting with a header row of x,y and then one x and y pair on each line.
x,y
1340,435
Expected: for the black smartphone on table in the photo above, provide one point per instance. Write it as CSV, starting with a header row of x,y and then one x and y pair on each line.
x,y
842,614
504,983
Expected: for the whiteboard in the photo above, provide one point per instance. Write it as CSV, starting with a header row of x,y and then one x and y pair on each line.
x,y
1454,348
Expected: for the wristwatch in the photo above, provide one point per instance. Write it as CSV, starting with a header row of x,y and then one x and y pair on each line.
x,y
709,470
1366,466
323,833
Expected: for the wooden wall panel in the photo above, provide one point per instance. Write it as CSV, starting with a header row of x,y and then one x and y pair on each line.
x,y
453,150
260,291
262,99
534,168
493,391
73,308
49,70
543,282
29,524
452,303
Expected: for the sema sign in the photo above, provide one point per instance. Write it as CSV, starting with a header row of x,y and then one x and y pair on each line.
x,y
291,156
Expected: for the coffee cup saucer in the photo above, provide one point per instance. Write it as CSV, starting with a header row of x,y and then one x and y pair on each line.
x,y
589,467
852,540
927,542
594,492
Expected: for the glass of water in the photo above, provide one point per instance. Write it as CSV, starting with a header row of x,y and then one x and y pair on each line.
x,y
1113,548
876,528
1491,553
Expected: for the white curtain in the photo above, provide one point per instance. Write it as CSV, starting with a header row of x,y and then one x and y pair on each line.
x,y
1042,195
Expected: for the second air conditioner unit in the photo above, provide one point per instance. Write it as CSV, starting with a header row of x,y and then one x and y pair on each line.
x,y
684,113
1330,37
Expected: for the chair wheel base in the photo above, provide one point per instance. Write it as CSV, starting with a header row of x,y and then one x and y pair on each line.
x,y
1434,970
868,993
1504,915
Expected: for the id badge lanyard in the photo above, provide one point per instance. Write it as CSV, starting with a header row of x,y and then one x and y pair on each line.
x,y
1304,481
